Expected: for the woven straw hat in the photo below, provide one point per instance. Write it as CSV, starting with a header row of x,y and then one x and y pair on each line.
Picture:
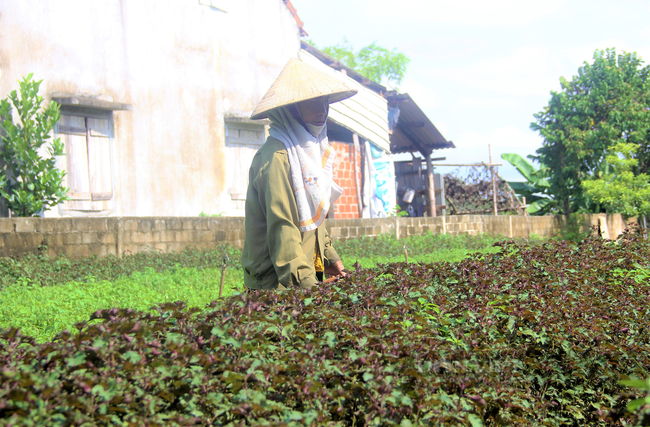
x,y
299,82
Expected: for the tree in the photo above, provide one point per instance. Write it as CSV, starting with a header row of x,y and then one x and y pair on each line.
x,y
618,187
605,104
374,62
29,182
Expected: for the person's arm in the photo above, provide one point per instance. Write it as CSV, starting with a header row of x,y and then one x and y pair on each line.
x,y
283,236
332,260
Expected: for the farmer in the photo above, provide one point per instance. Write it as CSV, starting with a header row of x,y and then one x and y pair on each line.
x,y
290,185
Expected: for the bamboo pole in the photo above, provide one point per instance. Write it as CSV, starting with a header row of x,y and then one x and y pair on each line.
x,y
432,186
494,183
355,139
524,208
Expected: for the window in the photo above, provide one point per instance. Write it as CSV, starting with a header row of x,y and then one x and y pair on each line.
x,y
243,139
88,166
244,134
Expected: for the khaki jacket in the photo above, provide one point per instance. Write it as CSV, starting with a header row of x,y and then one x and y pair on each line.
x,y
275,250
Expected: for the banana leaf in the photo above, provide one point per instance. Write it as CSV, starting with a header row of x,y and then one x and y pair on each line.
x,y
523,187
527,170
538,206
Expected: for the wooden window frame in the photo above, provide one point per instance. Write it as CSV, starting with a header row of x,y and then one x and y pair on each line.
x,y
88,132
235,125
235,142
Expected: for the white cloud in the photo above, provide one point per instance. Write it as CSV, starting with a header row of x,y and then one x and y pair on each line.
x,y
527,70
443,48
442,127
492,103
422,95
481,13
644,32
472,147
585,53
508,137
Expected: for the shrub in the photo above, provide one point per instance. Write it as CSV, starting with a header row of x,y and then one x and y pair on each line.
x,y
532,335
30,183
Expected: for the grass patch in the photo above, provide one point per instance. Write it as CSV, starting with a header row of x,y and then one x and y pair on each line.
x,y
43,311
44,296
427,248
45,271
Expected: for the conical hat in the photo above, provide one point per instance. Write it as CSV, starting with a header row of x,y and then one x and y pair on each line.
x,y
299,82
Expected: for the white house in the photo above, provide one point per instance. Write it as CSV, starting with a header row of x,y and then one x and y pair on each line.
x,y
155,95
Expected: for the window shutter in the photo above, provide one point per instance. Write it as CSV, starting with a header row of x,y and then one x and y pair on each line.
x,y
87,143
77,161
99,161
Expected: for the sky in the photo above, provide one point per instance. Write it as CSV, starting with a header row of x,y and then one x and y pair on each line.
x,y
481,69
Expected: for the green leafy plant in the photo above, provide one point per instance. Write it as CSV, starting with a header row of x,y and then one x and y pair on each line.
x,y
220,214
532,335
619,188
30,182
397,211
641,405
536,187
576,228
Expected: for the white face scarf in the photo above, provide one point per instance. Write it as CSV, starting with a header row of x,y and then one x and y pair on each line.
x,y
315,130
310,159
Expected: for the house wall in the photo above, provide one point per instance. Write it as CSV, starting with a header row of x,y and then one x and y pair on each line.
x,y
346,207
183,67
83,237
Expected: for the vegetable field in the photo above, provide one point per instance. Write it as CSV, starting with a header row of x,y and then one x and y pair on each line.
x,y
554,333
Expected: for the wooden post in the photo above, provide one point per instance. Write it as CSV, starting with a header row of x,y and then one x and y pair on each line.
x,y
525,208
355,138
432,186
223,277
494,183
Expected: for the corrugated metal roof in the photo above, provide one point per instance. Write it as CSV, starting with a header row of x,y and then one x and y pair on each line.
x,y
414,130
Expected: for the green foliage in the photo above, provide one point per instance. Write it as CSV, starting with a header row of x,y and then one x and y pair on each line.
x,y
42,312
551,334
371,251
640,405
44,271
605,104
374,62
30,182
220,214
398,212
536,187
575,229
618,187
43,296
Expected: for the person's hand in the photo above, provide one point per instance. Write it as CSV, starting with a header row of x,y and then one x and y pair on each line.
x,y
336,270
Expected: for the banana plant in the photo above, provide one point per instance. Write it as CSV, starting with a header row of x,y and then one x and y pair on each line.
x,y
535,188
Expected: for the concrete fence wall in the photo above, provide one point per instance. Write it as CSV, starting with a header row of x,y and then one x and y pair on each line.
x,y
84,237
